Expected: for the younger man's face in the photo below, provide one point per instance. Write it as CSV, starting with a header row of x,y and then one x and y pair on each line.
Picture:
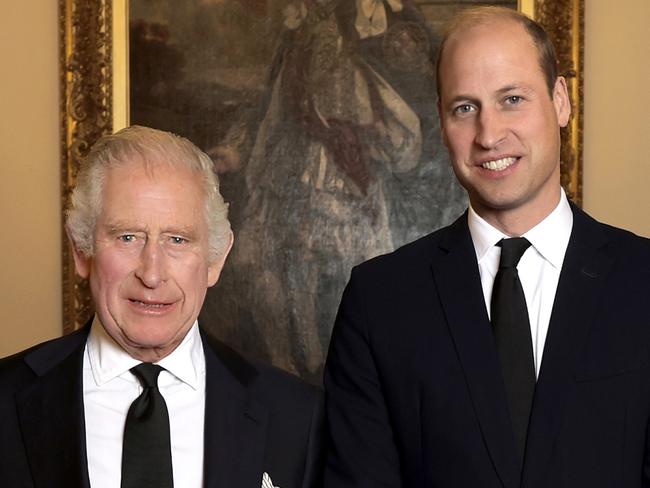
x,y
499,122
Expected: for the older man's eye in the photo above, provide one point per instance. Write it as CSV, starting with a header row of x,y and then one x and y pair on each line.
x,y
127,238
178,240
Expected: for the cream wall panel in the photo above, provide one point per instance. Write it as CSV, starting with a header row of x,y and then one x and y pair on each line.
x,y
617,113
30,270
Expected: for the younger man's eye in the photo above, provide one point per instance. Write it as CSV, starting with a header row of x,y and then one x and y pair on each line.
x,y
463,109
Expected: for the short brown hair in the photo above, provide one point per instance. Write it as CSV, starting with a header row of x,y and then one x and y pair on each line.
x,y
483,15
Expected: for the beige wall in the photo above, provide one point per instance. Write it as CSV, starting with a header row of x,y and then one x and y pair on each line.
x,y
617,113
30,290
616,176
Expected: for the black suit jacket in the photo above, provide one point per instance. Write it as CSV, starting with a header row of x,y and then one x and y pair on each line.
x,y
257,419
413,385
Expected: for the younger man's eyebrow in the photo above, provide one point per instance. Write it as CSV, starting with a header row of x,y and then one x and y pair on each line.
x,y
513,87
462,99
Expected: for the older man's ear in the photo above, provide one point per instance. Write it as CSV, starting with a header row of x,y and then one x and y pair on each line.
x,y
81,261
215,267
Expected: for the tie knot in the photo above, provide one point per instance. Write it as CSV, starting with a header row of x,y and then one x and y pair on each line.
x,y
511,251
147,374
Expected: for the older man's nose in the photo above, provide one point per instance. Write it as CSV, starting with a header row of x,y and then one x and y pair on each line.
x,y
152,268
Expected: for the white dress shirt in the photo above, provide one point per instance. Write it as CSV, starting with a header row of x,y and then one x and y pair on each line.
x,y
539,268
109,388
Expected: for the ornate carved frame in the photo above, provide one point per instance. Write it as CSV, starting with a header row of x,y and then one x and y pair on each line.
x,y
86,64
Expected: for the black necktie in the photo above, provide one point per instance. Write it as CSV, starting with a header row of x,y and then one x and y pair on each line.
x,y
509,316
146,453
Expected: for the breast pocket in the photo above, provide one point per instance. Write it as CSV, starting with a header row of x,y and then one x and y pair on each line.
x,y
607,371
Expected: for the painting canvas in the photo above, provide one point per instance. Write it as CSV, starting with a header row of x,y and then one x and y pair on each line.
x,y
320,117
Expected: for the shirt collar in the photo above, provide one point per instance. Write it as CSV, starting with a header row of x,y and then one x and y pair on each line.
x,y
550,237
108,360
484,235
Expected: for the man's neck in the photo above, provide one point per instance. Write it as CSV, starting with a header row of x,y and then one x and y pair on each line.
x,y
517,221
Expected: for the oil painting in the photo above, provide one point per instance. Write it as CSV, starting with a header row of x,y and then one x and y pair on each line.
x,y
320,117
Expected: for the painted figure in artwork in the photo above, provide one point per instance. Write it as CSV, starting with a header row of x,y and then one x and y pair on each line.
x,y
337,126
320,117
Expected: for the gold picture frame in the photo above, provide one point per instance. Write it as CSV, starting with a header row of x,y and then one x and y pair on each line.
x,y
93,61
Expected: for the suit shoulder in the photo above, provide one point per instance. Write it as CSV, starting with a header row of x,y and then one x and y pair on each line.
x,y
37,359
409,255
276,384
268,382
625,243
628,252
17,362
588,226
14,370
630,239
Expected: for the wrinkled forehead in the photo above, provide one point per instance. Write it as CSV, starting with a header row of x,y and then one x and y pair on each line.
x,y
129,166
168,199
132,175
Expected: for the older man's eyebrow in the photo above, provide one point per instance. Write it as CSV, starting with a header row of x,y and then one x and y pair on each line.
x,y
184,231
117,227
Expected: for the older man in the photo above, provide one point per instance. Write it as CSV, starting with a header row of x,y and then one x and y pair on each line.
x,y
141,397
511,348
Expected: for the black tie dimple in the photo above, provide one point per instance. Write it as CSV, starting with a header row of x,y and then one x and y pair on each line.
x,y
146,453
509,316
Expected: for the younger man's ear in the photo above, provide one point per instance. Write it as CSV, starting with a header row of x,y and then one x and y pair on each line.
x,y
81,261
561,101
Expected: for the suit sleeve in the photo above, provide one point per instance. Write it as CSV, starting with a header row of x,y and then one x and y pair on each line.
x,y
361,451
646,459
314,461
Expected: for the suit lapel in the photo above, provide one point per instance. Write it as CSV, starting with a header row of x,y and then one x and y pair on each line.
x,y
581,282
455,271
235,424
51,417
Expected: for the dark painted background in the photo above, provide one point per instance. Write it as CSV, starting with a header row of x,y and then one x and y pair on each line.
x,y
325,138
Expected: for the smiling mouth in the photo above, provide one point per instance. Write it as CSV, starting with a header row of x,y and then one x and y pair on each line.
x,y
499,164
149,305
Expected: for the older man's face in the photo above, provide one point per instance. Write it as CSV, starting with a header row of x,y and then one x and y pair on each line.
x,y
150,272
500,124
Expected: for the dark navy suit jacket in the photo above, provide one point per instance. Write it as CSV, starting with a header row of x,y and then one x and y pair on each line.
x,y
413,385
257,419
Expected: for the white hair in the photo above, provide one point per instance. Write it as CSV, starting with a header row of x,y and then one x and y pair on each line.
x,y
150,147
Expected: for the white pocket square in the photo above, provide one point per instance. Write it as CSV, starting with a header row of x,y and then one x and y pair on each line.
x,y
266,481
